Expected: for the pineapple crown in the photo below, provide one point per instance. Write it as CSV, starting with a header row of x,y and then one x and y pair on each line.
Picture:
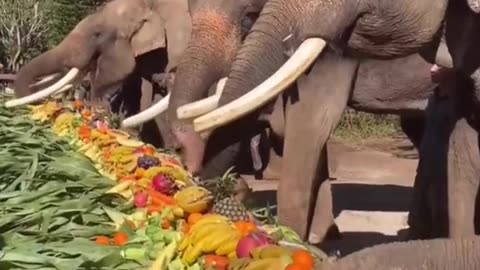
x,y
222,187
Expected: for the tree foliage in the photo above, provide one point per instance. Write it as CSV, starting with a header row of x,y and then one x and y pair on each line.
x,y
23,31
65,14
29,27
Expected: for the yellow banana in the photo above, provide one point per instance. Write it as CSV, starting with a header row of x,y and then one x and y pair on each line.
x,y
184,243
227,247
273,251
121,187
207,229
191,254
213,241
232,256
260,264
210,219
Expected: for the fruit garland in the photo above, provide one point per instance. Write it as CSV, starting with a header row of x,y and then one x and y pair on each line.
x,y
170,224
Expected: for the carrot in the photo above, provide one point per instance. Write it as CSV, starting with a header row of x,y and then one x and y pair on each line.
x,y
78,104
102,241
169,200
120,238
166,225
152,208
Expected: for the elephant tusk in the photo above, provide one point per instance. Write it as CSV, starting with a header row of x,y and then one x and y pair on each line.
x,y
202,106
45,79
443,57
303,57
69,77
147,114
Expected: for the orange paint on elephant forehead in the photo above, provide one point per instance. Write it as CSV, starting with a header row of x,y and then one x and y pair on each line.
x,y
216,19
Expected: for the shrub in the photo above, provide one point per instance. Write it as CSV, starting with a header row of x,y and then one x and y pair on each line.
x,y
23,31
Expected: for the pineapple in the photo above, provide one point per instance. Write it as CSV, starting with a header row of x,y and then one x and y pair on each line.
x,y
231,208
225,202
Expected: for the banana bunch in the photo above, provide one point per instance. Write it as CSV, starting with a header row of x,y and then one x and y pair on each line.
x,y
194,199
266,257
211,234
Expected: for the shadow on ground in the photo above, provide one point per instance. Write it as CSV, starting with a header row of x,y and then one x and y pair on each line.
x,y
361,197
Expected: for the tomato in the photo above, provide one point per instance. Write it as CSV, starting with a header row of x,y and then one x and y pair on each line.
x,y
120,238
303,257
216,262
102,241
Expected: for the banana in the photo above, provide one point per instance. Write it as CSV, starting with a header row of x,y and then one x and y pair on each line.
x,y
213,241
273,251
260,264
184,243
227,247
207,229
232,256
210,219
239,264
121,187
191,254
128,142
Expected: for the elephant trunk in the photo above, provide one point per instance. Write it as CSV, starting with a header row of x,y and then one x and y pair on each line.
x,y
213,46
42,65
263,52
71,52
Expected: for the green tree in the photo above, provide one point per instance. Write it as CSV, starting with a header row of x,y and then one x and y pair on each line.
x,y
65,14
24,31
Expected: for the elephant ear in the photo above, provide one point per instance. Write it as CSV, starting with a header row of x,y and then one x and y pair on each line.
x,y
150,36
178,27
474,5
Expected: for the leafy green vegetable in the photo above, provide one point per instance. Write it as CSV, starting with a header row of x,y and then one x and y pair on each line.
x,y
52,202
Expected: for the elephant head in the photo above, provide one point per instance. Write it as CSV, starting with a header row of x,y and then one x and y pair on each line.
x,y
367,28
106,44
218,29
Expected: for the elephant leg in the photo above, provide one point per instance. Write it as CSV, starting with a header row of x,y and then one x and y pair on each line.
x,y
463,177
312,113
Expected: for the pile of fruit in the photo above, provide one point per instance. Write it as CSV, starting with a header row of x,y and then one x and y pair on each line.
x,y
157,216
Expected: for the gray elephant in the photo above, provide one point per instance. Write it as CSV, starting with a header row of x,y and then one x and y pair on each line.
x,y
398,86
369,29
437,254
110,44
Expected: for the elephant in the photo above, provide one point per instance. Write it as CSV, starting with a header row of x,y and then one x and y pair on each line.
x,y
403,90
436,254
110,45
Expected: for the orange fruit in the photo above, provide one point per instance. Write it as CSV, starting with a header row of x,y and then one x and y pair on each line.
x,y
250,227
241,226
193,218
303,257
102,241
120,238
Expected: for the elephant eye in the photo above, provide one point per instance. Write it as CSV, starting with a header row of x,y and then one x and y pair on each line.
x,y
248,20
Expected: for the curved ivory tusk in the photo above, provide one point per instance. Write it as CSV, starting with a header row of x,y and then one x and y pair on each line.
x,y
202,106
45,79
69,77
443,57
147,114
260,95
